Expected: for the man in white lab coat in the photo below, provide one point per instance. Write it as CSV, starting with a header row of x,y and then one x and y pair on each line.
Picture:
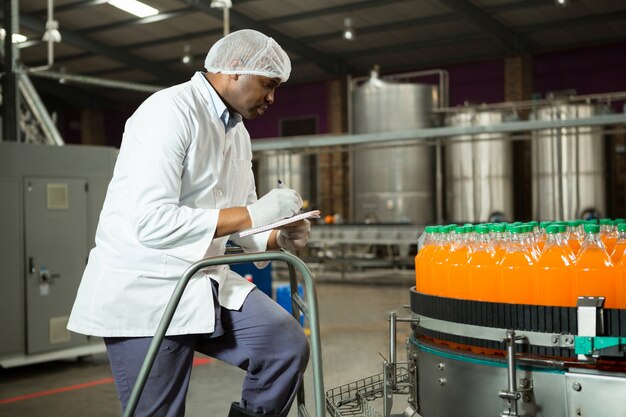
x,y
181,188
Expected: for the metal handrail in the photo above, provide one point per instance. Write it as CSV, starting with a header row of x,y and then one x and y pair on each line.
x,y
310,313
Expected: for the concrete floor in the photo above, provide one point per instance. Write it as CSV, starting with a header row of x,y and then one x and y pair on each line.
x,y
354,329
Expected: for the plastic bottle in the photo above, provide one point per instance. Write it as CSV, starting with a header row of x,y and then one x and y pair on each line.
x,y
516,269
620,245
439,264
540,236
530,244
620,285
594,271
458,272
573,235
498,239
422,260
608,234
552,278
482,267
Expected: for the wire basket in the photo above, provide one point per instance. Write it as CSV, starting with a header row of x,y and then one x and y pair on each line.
x,y
355,398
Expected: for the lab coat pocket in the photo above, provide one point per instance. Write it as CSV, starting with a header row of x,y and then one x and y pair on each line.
x,y
241,177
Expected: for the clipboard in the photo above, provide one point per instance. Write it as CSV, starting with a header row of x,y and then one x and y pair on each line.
x,y
313,214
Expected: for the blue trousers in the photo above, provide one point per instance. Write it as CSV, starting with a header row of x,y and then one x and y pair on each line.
x,y
260,338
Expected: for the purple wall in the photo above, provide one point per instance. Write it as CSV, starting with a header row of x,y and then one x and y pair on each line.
x,y
476,82
600,69
292,101
591,70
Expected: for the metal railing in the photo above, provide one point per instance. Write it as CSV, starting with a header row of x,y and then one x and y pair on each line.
x,y
309,309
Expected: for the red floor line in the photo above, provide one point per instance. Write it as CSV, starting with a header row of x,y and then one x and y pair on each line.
x,y
56,391
196,362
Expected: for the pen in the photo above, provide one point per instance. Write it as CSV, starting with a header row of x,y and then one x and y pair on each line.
x,y
281,184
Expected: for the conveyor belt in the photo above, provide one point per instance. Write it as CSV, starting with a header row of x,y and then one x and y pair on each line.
x,y
521,317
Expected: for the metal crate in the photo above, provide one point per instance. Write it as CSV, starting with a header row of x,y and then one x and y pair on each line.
x,y
357,398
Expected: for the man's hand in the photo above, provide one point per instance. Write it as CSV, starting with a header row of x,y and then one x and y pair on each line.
x,y
275,205
294,236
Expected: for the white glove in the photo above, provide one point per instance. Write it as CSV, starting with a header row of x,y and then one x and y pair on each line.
x,y
294,236
275,205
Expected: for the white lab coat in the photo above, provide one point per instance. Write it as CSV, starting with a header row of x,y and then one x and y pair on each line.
x,y
176,169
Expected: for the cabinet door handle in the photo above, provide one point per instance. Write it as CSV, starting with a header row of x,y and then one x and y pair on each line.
x,y
31,265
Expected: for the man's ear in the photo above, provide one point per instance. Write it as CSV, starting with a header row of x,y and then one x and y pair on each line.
x,y
233,77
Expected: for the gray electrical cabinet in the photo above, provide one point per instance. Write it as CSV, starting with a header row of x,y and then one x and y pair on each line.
x,y
50,201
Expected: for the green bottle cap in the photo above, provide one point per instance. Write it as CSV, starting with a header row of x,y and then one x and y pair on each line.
x,y
621,227
482,229
498,228
606,221
592,228
553,229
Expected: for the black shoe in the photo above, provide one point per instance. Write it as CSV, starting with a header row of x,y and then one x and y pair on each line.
x,y
237,411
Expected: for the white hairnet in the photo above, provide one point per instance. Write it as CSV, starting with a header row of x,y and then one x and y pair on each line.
x,y
248,52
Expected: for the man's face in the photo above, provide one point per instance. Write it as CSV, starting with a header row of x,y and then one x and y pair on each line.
x,y
250,95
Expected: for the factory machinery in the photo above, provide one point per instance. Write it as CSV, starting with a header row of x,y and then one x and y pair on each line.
x,y
480,358
413,161
51,200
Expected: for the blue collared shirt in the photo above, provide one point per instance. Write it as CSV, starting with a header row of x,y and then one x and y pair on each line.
x,y
229,120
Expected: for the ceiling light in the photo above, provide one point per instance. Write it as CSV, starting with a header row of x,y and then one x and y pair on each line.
x,y
17,38
221,4
52,32
348,30
187,55
135,7
562,3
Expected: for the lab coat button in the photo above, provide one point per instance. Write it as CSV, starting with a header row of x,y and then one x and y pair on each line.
x,y
218,192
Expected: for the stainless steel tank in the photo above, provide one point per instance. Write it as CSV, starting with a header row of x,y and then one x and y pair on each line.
x,y
296,170
478,170
568,165
393,184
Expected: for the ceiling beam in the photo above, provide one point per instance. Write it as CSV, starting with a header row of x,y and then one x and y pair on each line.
x,y
573,22
333,66
326,11
430,20
138,21
86,44
69,6
512,41
430,43
423,21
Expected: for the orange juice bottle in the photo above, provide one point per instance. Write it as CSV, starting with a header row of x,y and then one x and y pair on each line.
x,y
552,279
498,239
482,267
620,245
593,270
620,275
458,273
574,236
516,269
541,237
439,277
422,260
608,234
529,242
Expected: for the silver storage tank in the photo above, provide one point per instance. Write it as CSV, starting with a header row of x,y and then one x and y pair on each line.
x,y
296,170
393,184
478,170
568,166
